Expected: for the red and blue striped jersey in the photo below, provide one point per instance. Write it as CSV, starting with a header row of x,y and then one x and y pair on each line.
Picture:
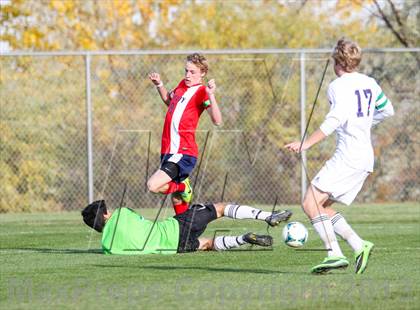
x,y
181,121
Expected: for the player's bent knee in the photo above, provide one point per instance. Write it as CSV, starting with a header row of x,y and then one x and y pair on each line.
x,y
306,204
309,207
152,187
306,210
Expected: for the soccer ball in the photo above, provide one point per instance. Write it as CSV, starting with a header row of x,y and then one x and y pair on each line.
x,y
295,234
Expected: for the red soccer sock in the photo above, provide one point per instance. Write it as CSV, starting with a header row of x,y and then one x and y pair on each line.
x,y
181,208
181,187
175,187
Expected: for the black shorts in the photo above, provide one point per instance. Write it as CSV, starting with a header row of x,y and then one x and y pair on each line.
x,y
192,224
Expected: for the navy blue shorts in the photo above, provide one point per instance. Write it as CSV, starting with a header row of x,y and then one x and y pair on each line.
x,y
185,163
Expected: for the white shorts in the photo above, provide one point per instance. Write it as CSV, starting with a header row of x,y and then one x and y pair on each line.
x,y
342,182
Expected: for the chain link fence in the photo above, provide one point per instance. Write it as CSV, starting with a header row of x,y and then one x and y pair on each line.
x,y
49,138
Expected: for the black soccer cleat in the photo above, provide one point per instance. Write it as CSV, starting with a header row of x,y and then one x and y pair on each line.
x,y
262,240
278,216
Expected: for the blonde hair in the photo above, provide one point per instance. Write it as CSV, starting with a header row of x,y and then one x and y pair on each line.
x,y
347,54
200,61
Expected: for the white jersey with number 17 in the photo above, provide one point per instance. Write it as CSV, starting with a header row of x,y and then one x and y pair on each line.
x,y
356,103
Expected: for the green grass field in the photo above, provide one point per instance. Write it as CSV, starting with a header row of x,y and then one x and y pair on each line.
x,y
52,260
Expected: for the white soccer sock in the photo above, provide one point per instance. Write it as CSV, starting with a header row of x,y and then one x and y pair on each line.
x,y
223,243
325,230
344,230
245,212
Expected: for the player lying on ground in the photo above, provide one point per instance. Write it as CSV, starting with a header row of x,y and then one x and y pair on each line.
x,y
356,103
126,232
179,150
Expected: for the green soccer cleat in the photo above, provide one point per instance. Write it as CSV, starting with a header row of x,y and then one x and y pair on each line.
x,y
329,263
362,256
187,194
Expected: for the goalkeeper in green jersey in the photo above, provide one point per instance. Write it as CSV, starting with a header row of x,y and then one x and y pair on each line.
x,y
126,232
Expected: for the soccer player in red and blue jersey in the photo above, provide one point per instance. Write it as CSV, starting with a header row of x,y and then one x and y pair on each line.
x,y
179,150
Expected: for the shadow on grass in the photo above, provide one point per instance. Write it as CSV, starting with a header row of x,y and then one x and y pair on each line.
x,y
55,251
208,269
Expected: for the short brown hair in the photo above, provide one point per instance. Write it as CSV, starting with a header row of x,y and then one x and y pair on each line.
x,y
200,61
347,54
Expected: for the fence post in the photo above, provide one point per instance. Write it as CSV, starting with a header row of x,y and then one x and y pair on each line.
x,y
302,121
89,128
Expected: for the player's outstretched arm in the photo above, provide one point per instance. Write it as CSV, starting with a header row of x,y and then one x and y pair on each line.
x,y
155,78
316,137
382,113
213,110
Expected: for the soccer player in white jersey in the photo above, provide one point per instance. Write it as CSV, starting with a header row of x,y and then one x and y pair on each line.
x,y
356,103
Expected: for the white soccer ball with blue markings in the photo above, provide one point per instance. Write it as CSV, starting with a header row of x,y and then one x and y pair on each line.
x,y
295,234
